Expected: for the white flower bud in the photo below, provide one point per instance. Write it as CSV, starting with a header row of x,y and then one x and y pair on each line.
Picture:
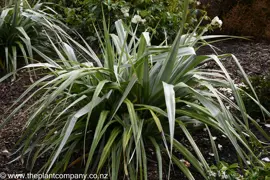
x,y
125,10
220,147
216,22
143,21
136,19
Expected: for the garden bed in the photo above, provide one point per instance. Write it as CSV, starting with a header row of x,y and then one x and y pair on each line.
x,y
253,56
10,134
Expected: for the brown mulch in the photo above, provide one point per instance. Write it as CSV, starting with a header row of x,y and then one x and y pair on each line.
x,y
253,56
10,134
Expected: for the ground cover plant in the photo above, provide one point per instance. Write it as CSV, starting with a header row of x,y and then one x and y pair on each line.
x,y
106,113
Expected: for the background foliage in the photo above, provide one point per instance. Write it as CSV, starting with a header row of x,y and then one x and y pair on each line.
x,y
262,86
160,15
24,30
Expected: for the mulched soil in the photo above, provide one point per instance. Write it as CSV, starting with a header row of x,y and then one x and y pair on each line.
x,y
253,56
10,134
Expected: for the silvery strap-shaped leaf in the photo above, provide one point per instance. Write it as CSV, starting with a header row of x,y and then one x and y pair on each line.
x,y
170,104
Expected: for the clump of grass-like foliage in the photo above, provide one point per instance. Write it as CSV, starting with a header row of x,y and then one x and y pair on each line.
x,y
23,31
136,97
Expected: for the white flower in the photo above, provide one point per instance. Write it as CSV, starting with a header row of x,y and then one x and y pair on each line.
x,y
224,136
240,177
143,21
198,3
125,10
136,19
55,132
211,154
216,22
266,159
224,175
248,162
228,107
214,138
212,174
220,147
267,125
232,98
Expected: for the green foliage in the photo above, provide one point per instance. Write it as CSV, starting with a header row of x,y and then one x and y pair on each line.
x,y
22,32
15,29
262,173
162,18
107,113
261,85
225,171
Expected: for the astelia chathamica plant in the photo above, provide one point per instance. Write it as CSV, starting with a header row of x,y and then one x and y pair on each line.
x,y
106,114
23,31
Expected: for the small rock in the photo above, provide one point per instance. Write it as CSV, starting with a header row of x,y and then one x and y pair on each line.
x,y
220,147
6,153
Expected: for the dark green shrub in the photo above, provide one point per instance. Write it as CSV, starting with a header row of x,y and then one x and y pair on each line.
x,y
259,173
160,17
23,32
261,85
15,32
